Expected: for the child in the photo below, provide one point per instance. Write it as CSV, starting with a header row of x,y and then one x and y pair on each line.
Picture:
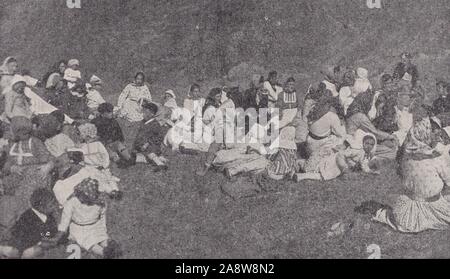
x,y
71,171
94,98
95,153
28,162
110,134
30,234
72,73
151,136
359,153
84,216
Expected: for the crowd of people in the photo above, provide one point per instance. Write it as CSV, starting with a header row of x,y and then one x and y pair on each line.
x,y
57,147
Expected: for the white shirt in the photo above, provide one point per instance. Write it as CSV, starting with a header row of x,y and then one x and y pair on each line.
x,y
41,216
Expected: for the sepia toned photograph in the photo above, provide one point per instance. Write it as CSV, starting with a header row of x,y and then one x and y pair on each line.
x,y
224,129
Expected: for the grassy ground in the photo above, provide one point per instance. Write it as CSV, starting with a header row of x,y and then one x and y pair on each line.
x,y
179,215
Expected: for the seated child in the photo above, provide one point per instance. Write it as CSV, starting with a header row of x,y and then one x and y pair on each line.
x,y
72,171
94,98
72,73
95,153
151,136
29,161
30,234
110,133
84,216
358,154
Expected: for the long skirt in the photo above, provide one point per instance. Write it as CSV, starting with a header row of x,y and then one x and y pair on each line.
x,y
319,150
283,162
89,235
411,216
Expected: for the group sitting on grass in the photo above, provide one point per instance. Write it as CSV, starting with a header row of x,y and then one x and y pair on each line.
x,y
59,147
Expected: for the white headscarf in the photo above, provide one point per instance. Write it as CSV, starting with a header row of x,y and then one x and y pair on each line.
x,y
362,83
4,67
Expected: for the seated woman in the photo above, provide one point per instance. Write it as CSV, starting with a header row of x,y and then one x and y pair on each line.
x,y
425,176
130,100
357,119
28,161
219,121
325,130
355,155
57,70
385,105
346,96
16,102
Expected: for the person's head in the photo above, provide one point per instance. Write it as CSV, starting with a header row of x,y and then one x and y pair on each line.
x,y
69,159
290,85
215,95
441,88
349,78
273,77
18,84
62,66
385,79
87,192
106,110
369,143
139,79
149,109
44,201
11,65
96,82
169,94
406,58
21,127
88,132
194,90
74,64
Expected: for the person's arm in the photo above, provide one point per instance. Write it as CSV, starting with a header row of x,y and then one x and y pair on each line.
x,y
336,127
9,104
123,96
367,126
147,95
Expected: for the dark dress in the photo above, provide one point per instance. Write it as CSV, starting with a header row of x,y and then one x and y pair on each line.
x,y
153,133
108,130
401,69
29,230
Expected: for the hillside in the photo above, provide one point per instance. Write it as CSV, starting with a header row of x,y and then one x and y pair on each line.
x,y
177,42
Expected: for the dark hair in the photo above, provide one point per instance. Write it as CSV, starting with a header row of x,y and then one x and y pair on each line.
x,y
53,69
140,74
386,77
58,115
11,60
337,69
272,74
75,156
41,197
105,108
150,106
194,86
291,79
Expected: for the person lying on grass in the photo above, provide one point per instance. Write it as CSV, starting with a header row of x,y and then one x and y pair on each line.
x,y
30,235
84,217
357,155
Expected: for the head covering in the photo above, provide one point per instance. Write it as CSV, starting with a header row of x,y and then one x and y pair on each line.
x,y
4,67
362,73
323,105
88,131
362,103
105,107
73,62
95,80
88,190
18,78
171,93
418,141
21,126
